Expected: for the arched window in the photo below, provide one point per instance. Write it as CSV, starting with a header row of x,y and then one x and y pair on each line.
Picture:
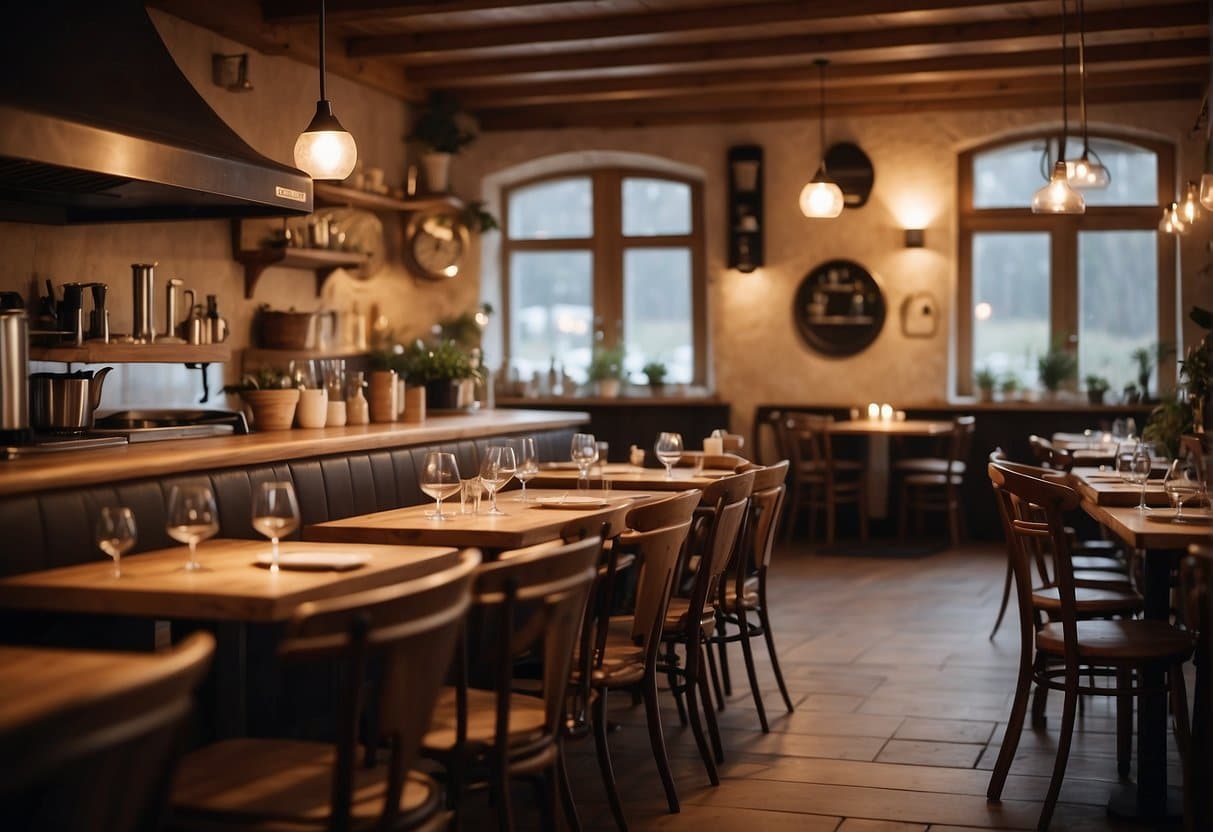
x,y
1102,282
613,256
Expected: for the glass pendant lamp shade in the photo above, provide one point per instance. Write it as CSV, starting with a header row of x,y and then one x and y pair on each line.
x,y
325,150
1206,181
1189,206
821,198
1171,222
1086,173
1057,197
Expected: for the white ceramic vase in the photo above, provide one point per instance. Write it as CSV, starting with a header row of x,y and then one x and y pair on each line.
x,y
437,171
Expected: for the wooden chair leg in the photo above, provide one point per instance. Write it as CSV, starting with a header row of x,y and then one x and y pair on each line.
x,y
1006,597
566,793
1179,707
1069,708
545,795
954,520
1040,699
604,759
709,714
747,653
501,800
1010,738
716,701
652,712
701,740
721,648
1124,722
672,681
770,639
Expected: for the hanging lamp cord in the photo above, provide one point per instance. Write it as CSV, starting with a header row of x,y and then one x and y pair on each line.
x,y
323,96
1082,75
821,99
1065,88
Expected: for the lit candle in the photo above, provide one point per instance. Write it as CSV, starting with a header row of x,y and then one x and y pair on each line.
x,y
873,411
900,416
886,412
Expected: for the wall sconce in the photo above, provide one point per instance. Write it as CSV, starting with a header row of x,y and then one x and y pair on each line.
x,y
231,72
915,237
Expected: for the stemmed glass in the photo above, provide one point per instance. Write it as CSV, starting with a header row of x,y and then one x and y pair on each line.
x,y
275,514
1181,484
584,451
1142,463
440,479
116,534
496,469
669,451
528,463
192,518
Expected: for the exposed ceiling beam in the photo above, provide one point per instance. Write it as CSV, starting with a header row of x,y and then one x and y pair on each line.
x,y
603,28
1160,22
1191,52
605,117
300,11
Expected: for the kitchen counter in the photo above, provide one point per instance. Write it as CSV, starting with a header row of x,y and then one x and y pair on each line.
x,y
105,465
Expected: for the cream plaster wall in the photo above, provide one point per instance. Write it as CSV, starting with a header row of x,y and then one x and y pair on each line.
x,y
757,355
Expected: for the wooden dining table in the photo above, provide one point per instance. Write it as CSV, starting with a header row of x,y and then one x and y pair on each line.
x,y
1162,542
1106,488
625,477
878,433
523,524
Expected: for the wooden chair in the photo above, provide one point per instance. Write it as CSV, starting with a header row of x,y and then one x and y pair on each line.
x,y
410,631
627,648
528,602
104,763
1033,509
1196,583
744,589
937,485
819,481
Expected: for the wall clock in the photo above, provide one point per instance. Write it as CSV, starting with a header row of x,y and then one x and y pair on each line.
x,y
839,308
435,243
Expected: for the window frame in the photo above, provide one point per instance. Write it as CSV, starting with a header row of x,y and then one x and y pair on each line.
x,y
607,246
1063,233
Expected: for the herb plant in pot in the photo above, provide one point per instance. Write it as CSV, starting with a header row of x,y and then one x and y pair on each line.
x,y
270,396
606,370
986,381
438,368
655,372
441,130
1097,386
1009,388
1056,367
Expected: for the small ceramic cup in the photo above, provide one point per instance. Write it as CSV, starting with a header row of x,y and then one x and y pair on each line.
x,y
313,408
335,416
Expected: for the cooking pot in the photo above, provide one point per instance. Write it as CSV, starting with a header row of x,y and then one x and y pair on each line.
x,y
64,402
297,330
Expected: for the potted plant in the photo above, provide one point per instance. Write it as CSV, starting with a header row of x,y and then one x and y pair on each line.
x,y
1097,386
1056,367
606,370
1009,388
271,397
1194,370
437,367
441,130
1168,422
1147,358
655,372
986,381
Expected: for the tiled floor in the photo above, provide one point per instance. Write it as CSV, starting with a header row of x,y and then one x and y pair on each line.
x,y
901,704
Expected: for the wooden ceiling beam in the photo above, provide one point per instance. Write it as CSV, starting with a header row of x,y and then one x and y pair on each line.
x,y
604,117
301,11
1191,52
605,27
1159,22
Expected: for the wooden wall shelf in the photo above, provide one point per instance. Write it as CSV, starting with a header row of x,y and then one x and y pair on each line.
x,y
99,352
319,260
270,355
333,195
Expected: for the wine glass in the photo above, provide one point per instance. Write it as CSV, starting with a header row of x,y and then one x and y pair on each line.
x,y
584,451
496,469
275,514
440,479
669,451
1142,463
1181,484
116,533
192,518
528,462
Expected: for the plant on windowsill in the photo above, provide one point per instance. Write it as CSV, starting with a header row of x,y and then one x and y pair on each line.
x,y
1009,388
1056,367
986,381
270,396
437,367
441,130
1147,358
1097,386
606,370
655,372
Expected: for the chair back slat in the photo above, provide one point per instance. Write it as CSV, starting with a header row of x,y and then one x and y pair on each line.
x,y
963,428
669,511
658,553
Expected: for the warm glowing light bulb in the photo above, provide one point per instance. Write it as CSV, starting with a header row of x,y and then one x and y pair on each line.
x,y
983,311
1171,222
886,412
873,411
1057,197
1206,191
1086,173
1189,208
821,198
325,150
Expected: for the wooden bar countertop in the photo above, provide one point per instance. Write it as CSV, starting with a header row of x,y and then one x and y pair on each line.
x,y
41,472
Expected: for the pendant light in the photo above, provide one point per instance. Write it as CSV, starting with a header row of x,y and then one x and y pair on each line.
x,y
1172,222
1088,171
1057,197
1189,206
325,150
821,198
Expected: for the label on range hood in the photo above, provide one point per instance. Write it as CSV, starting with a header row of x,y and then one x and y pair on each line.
x,y
290,193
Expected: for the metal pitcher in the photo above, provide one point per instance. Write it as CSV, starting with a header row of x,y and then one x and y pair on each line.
x,y
64,402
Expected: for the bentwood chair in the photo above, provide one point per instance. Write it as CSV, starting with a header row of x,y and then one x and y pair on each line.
x,y
820,481
744,588
528,602
1056,655
409,632
626,648
104,763
937,485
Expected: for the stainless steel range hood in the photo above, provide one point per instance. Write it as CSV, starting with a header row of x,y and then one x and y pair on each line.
x,y
97,124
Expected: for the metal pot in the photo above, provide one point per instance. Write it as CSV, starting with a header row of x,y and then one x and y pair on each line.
x,y
64,402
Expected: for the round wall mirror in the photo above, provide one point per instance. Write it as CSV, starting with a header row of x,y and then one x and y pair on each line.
x,y
839,308
852,170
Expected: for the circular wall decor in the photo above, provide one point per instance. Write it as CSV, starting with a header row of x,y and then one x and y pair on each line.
x,y
852,170
839,308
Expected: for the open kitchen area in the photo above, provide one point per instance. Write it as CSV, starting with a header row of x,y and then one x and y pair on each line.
x,y
600,414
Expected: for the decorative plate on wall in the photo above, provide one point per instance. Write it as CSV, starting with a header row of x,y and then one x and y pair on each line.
x,y
852,170
839,308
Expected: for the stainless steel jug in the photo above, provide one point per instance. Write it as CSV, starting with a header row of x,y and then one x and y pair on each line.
x,y
14,366
64,402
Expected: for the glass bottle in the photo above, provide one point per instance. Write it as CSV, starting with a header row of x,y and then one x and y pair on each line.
x,y
357,410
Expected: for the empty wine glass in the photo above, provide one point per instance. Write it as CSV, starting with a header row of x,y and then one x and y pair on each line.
x,y
584,451
669,451
192,518
1181,484
275,514
496,469
528,462
116,534
1142,463
440,479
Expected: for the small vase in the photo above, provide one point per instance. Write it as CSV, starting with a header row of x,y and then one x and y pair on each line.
x,y
608,388
437,171
985,395
383,396
272,409
313,408
414,405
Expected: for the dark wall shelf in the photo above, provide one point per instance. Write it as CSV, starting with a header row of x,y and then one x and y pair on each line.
x,y
745,218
